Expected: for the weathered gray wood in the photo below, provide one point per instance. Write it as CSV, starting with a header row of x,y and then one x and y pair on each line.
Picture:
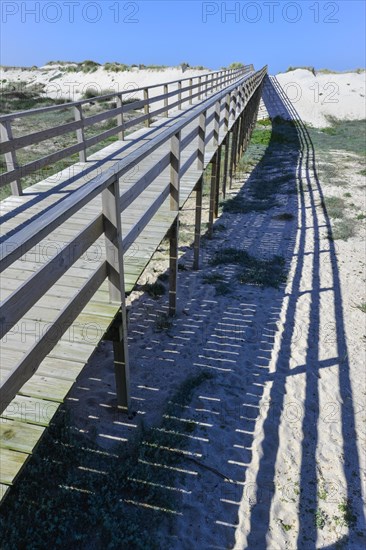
x,y
201,140
212,195
173,266
197,224
226,164
180,94
18,303
133,233
174,206
10,157
231,75
226,112
27,367
147,107
142,183
216,124
174,171
166,100
217,181
79,117
120,121
116,280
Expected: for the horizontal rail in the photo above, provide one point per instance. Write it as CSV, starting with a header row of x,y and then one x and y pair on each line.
x,y
105,97
11,145
49,221
27,366
20,301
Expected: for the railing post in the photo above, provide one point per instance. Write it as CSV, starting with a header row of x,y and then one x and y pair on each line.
x,y
174,230
191,90
180,95
200,167
10,157
120,122
147,106
212,194
166,100
216,124
226,164
199,87
226,112
79,117
115,270
232,155
233,105
217,181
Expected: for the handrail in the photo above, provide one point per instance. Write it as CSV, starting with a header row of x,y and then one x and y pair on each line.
x,y
108,221
9,145
29,112
56,215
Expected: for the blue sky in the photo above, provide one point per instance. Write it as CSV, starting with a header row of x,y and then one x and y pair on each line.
x,y
278,33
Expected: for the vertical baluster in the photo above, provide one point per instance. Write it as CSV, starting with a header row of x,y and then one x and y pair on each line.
x,y
10,157
116,279
147,107
166,100
120,122
79,117
180,94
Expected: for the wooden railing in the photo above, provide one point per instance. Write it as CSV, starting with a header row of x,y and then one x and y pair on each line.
x,y
186,90
227,112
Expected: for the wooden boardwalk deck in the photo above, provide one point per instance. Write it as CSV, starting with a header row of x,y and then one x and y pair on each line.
x,y
145,222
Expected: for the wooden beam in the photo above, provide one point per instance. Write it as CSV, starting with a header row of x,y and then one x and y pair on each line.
x,y
166,100
79,117
212,194
174,231
121,134
197,224
147,107
226,164
116,280
217,181
10,157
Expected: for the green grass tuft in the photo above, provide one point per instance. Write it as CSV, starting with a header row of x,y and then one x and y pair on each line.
x,y
343,230
335,207
253,271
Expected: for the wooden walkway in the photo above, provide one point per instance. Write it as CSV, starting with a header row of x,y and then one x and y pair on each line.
x,y
75,244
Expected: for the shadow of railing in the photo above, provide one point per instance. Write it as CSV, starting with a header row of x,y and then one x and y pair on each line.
x,y
311,207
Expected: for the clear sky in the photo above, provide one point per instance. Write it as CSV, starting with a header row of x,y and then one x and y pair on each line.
x,y
214,34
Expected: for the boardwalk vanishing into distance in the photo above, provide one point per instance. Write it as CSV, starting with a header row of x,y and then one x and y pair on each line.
x,y
74,244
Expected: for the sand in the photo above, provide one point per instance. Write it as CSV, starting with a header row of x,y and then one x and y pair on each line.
x,y
73,85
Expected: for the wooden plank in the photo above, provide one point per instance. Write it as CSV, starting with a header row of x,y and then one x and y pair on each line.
x,y
30,410
40,349
18,436
11,462
18,303
3,491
